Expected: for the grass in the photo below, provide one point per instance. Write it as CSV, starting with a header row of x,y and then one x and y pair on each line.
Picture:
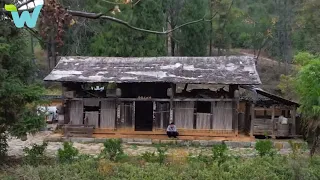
x,y
266,168
178,164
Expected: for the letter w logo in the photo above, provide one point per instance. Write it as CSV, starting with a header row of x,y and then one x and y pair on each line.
x,y
25,16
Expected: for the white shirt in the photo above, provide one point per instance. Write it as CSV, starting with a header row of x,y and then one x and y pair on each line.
x,y
172,128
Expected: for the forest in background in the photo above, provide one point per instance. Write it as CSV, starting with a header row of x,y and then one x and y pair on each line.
x,y
273,29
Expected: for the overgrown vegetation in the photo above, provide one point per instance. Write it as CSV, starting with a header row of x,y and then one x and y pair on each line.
x,y
68,153
35,154
265,148
219,155
112,149
218,164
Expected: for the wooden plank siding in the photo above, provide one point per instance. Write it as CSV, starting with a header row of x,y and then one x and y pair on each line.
x,y
76,112
203,120
108,114
183,115
222,115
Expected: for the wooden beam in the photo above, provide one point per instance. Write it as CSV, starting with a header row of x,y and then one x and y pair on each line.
x,y
118,123
133,114
171,119
163,100
235,105
252,120
154,116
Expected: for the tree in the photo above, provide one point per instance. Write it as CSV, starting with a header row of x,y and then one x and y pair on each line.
x,y
307,35
307,85
193,39
19,93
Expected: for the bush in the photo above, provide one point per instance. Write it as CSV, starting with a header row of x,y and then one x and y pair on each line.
x,y
161,154
149,157
68,153
264,148
35,155
219,153
112,149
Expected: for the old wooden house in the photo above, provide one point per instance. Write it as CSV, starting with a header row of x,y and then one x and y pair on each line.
x,y
114,95
266,114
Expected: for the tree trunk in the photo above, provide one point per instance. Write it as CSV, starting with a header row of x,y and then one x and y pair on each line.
x,y
211,28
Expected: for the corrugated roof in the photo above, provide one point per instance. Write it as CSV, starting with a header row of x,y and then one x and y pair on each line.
x,y
205,70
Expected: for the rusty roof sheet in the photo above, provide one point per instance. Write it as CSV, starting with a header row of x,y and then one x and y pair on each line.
x,y
204,70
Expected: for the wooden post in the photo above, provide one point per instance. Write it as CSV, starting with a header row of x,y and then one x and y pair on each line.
x,y
154,116
252,119
117,125
235,117
273,122
133,115
235,110
293,117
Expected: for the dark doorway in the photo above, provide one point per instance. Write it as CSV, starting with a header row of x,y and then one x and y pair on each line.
x,y
143,116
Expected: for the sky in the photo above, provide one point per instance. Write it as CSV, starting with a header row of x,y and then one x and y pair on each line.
x,y
30,5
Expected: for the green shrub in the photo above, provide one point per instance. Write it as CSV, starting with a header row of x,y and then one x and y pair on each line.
x,y
112,149
161,154
219,153
35,155
149,156
265,148
68,153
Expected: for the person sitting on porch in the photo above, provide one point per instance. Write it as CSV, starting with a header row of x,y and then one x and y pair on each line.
x,y
172,131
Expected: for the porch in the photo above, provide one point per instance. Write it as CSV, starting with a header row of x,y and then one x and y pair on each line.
x,y
150,117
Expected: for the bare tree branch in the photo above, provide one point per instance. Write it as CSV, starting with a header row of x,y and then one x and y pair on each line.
x,y
101,16
119,21
136,3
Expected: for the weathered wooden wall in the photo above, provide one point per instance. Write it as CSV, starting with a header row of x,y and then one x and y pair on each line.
x,y
108,114
183,114
76,112
222,115
203,120
266,121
